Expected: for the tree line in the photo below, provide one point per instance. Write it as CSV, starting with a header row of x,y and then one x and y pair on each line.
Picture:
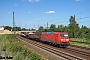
x,y
16,28
72,28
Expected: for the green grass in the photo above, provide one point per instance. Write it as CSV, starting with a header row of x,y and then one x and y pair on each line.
x,y
18,50
1,38
80,39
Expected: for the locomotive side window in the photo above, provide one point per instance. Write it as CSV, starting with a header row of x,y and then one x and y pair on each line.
x,y
64,35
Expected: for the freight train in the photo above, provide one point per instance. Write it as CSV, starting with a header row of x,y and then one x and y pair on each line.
x,y
60,39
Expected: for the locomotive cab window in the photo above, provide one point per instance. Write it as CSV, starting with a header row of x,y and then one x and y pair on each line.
x,y
63,35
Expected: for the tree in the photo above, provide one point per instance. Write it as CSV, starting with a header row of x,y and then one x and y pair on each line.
x,y
71,20
29,29
88,34
73,27
18,28
32,29
8,28
41,29
61,28
52,28
23,29
84,32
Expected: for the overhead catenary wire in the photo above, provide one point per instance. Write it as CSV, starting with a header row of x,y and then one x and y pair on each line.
x,y
74,14
83,18
67,19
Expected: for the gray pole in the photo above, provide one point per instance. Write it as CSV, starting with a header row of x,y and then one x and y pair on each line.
x,y
74,27
13,19
13,24
47,26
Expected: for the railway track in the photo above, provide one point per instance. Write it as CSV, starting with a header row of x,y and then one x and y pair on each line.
x,y
80,47
78,51
58,51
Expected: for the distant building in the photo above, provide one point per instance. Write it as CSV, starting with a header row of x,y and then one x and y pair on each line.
x,y
2,27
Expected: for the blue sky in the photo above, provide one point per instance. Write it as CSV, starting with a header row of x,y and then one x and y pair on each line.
x,y
34,13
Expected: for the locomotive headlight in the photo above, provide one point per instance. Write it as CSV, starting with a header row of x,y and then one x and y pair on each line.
x,y
61,39
67,39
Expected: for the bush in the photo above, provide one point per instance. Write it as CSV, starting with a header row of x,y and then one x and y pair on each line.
x,y
18,50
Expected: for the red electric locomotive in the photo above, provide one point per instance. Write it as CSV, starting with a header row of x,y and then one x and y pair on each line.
x,y
57,38
60,39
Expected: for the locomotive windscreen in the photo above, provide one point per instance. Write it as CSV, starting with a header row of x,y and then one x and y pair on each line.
x,y
64,35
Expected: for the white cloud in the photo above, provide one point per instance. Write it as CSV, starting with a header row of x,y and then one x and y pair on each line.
x,y
50,12
30,0
29,12
39,19
77,0
15,4
33,0
8,12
